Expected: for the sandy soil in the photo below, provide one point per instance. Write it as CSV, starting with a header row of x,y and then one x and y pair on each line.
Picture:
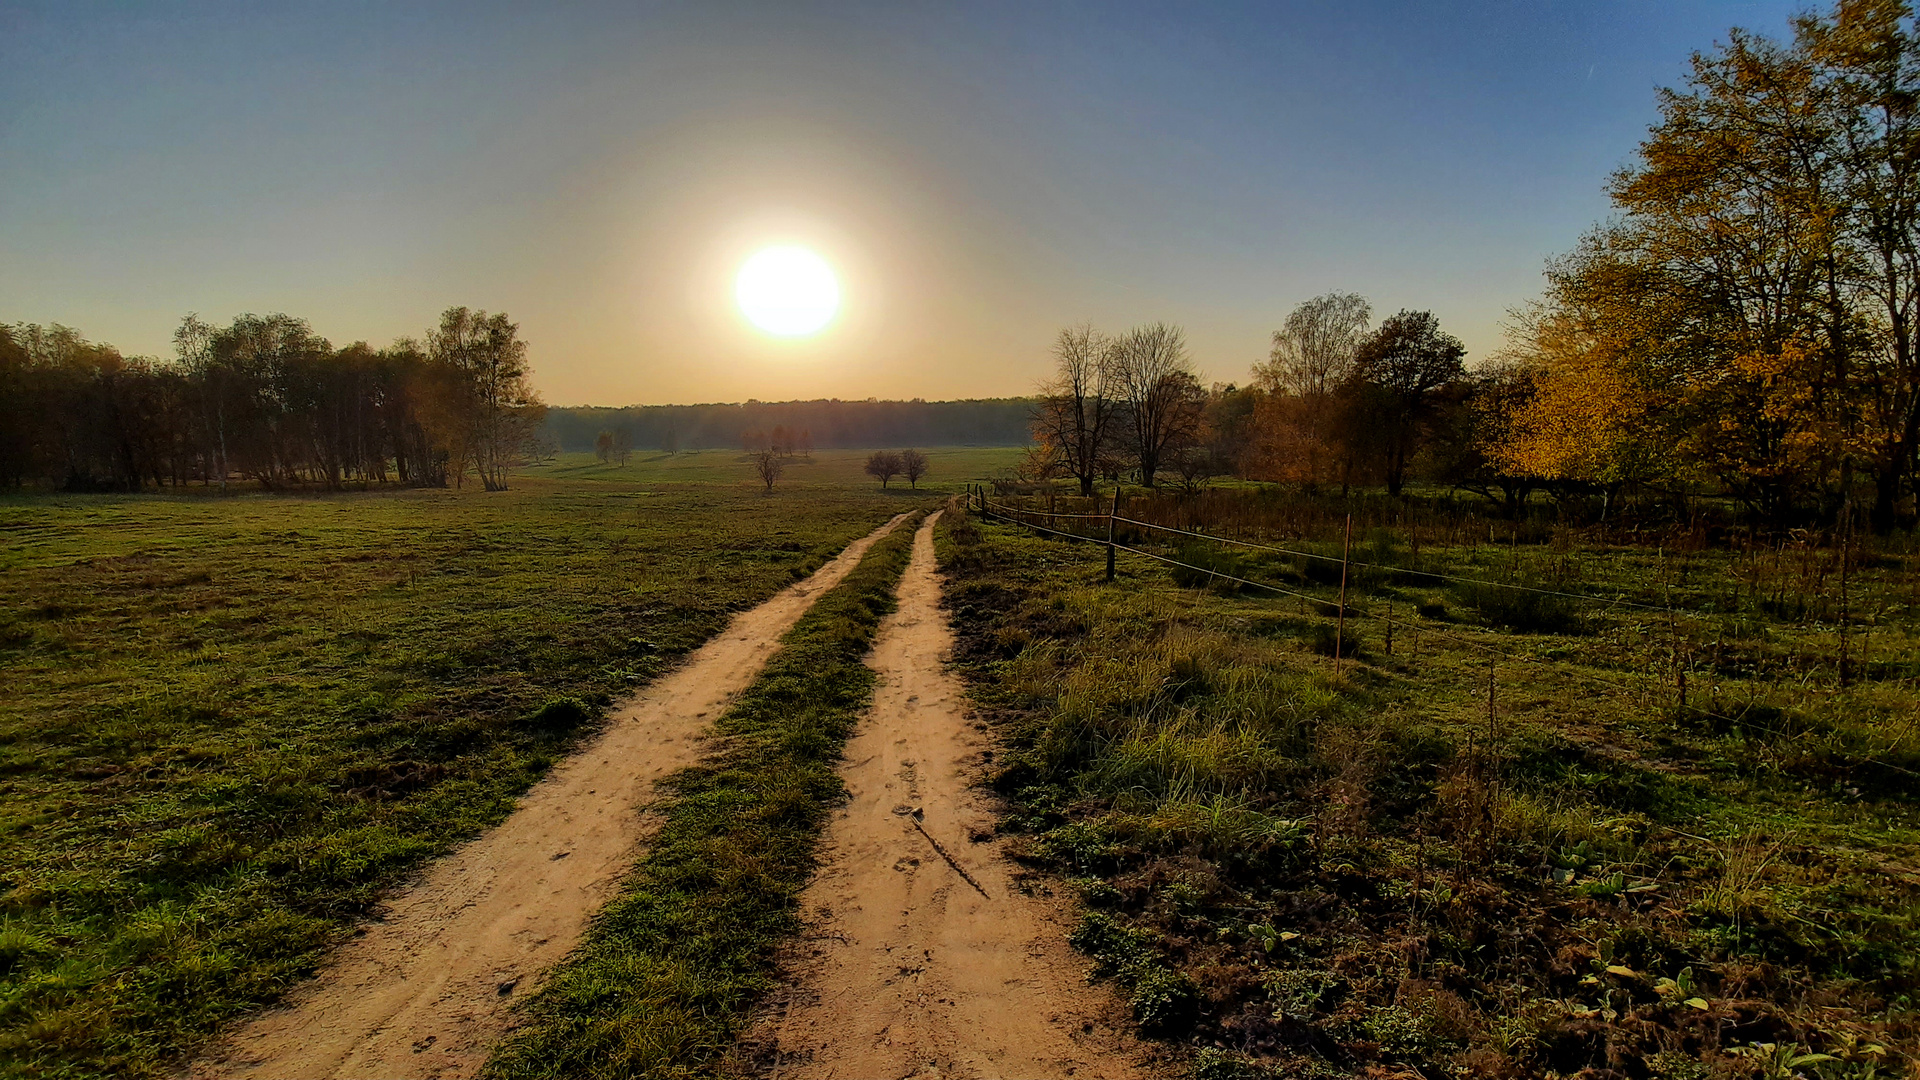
x,y
923,957
425,991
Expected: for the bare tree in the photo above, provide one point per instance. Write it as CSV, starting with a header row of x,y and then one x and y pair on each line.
x,y
1079,406
768,463
1313,351
914,464
1164,400
1196,466
1303,377
884,465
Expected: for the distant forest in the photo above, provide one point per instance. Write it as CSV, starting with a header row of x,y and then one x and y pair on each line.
x,y
829,423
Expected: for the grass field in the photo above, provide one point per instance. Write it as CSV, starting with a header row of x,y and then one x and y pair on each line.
x,y
229,724
1296,873
950,468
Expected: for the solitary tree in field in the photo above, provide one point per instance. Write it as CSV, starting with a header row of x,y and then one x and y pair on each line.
x,y
914,464
884,465
603,447
768,463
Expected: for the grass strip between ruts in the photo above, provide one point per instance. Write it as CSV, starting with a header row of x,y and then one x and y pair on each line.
x,y
668,970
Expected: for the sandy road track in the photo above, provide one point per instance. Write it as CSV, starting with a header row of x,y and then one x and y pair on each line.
x,y
425,991
907,969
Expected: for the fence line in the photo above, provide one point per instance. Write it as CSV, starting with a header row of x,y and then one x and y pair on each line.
x,y
1009,513
1609,601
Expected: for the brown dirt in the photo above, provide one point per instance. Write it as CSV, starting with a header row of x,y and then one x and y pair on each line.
x,y
425,991
907,969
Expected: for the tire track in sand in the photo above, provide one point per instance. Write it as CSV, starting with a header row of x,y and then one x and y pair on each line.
x,y
906,968
425,992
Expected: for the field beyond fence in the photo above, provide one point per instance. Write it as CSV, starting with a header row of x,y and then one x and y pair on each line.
x,y
1461,793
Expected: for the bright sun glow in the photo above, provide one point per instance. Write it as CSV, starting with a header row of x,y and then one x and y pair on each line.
x,y
787,291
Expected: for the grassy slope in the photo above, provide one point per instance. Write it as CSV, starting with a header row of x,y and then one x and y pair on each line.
x,y
667,971
1309,875
230,723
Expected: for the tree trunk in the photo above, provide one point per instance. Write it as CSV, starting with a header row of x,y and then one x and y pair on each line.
x,y
1886,497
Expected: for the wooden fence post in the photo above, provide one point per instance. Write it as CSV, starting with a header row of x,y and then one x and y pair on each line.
x,y
1490,723
1846,563
1389,624
1340,619
1115,512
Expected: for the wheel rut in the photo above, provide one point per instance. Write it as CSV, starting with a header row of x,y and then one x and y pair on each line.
x,y
924,956
425,991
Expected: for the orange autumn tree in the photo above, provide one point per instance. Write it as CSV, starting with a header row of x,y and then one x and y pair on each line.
x,y
1752,315
1581,421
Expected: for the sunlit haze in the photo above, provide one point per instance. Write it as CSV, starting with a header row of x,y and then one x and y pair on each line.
x,y
977,175
787,291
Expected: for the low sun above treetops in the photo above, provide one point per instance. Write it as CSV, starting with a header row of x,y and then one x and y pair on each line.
x,y
787,291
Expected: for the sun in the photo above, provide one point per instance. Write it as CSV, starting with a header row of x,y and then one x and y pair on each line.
x,y
788,291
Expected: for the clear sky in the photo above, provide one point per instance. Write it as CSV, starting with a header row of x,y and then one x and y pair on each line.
x,y
978,174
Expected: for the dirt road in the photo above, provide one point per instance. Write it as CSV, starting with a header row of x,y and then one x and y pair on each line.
x,y
914,965
425,991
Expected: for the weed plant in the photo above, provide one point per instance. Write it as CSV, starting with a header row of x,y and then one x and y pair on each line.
x,y
667,971
230,724
1379,873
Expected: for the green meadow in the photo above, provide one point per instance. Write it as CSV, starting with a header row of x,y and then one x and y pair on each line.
x,y
230,724
1498,842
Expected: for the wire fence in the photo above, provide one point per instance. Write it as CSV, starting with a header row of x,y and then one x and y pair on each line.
x,y
1343,606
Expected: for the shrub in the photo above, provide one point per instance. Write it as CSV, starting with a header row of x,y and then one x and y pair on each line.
x,y
1322,636
1161,997
1213,1063
559,715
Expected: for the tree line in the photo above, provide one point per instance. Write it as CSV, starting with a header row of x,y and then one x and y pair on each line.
x,y
1337,402
265,400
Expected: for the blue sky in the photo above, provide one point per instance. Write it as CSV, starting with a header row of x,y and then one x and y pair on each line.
x,y
980,174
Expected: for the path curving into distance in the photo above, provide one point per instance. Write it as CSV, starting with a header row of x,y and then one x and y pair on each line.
x,y
922,957
425,992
